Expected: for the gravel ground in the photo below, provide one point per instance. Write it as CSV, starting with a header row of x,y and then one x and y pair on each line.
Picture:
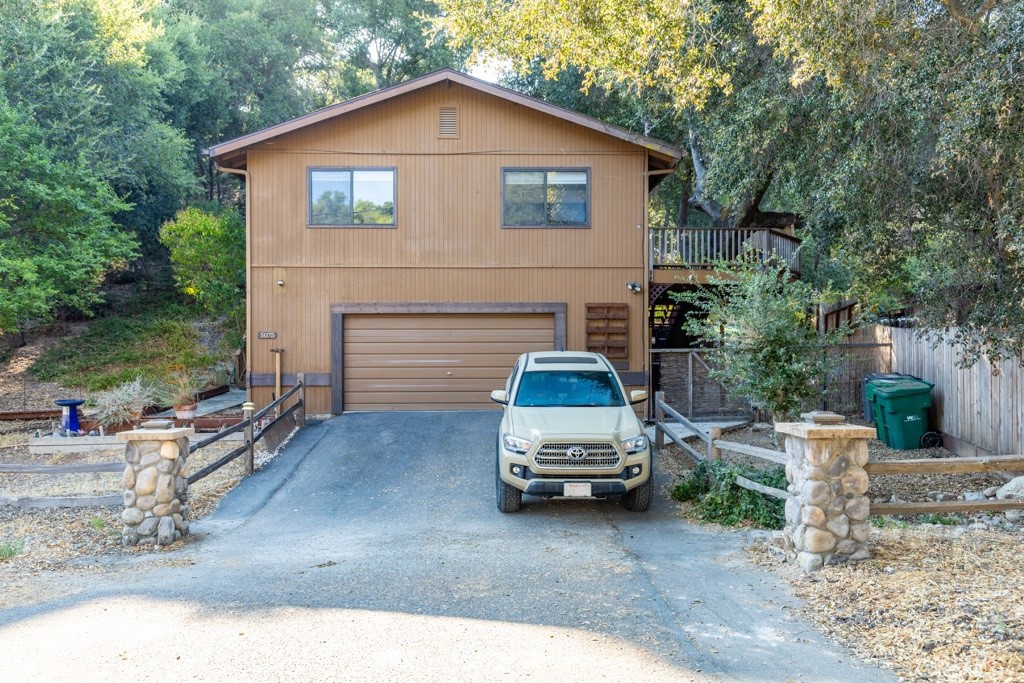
x,y
937,603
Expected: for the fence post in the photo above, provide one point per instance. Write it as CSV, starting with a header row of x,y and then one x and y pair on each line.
x,y
247,409
659,420
714,453
300,415
689,409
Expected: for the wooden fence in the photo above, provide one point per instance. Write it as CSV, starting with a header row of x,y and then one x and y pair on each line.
x,y
715,445
982,411
248,425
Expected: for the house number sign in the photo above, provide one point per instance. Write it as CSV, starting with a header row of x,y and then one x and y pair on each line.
x,y
267,334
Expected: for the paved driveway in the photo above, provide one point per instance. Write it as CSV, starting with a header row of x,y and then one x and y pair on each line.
x,y
372,550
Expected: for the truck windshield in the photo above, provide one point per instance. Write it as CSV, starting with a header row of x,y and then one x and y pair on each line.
x,y
569,389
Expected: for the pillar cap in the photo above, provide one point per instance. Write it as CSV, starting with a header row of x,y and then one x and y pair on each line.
x,y
156,434
807,430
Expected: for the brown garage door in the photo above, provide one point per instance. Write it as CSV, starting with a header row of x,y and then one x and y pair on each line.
x,y
435,361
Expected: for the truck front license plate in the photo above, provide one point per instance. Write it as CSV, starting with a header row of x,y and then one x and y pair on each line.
x,y
577,489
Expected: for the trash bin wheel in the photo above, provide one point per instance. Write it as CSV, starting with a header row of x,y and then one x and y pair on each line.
x,y
931,440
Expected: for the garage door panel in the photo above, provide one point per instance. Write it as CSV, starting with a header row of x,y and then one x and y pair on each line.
x,y
435,362
445,336
444,322
453,348
408,372
482,360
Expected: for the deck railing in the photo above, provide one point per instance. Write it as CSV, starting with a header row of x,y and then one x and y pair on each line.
x,y
701,247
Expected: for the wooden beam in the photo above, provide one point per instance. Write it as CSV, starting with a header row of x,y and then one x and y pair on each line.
x,y
761,488
765,453
31,468
988,463
61,502
945,506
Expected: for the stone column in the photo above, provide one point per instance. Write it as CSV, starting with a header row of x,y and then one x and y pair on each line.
x,y
827,518
155,486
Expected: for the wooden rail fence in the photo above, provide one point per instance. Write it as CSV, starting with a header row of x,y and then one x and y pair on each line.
x,y
715,445
1001,463
247,425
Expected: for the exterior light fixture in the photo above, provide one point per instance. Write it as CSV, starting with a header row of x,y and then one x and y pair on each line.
x,y
634,287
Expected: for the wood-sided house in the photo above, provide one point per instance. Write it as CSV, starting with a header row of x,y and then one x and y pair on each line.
x,y
406,245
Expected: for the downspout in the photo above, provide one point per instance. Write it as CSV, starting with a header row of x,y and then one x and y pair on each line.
x,y
248,274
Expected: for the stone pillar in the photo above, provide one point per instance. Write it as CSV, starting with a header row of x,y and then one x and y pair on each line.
x,y
155,486
827,518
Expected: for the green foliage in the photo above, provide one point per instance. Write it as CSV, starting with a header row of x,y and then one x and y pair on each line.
x,y
892,130
761,319
937,518
57,238
115,349
9,549
884,522
717,498
208,257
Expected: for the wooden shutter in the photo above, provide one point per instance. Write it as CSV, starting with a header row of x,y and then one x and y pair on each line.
x,y
608,332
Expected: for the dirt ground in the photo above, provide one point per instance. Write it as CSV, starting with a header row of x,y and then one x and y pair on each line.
x,y
938,602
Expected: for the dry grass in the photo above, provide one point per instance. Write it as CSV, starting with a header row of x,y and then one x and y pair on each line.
x,y
935,604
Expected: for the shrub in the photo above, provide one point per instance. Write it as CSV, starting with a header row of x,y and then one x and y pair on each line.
x,y
717,498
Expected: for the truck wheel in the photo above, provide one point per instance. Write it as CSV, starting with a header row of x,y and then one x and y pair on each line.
x,y
638,499
509,498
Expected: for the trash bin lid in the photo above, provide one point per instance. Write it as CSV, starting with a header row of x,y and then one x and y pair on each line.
x,y
893,388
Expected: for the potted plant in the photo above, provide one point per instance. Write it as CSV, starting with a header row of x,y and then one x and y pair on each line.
x,y
121,406
179,390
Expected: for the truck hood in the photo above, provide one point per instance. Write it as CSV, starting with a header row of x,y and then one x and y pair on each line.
x,y
592,423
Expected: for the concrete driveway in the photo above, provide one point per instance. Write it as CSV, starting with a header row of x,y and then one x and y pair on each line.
x,y
372,550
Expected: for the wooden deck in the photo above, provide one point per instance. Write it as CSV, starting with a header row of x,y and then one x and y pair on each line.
x,y
689,254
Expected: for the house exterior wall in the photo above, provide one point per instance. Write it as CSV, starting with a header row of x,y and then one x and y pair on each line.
x,y
448,244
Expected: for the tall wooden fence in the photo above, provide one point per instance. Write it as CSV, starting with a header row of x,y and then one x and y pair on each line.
x,y
984,412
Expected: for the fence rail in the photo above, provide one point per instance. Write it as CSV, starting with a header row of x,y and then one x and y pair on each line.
x,y
247,425
714,446
702,247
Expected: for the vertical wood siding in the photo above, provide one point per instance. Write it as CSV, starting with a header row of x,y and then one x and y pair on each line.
x,y
448,244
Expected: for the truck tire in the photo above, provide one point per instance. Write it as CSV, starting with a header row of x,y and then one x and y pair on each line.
x,y
509,498
639,499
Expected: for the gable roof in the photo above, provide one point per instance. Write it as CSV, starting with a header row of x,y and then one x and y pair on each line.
x,y
232,152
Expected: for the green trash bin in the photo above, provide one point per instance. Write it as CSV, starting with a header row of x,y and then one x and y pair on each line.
x,y
876,408
901,411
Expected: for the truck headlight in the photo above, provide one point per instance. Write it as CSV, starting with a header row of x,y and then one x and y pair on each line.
x,y
635,445
515,444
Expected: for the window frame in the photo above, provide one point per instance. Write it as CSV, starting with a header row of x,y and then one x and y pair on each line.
x,y
546,170
351,169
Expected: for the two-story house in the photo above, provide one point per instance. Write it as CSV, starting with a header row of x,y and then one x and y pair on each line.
x,y
404,247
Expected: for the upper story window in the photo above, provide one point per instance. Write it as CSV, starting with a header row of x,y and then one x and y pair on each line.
x,y
351,197
545,197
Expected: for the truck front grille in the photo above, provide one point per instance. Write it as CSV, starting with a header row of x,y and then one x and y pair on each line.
x,y
582,455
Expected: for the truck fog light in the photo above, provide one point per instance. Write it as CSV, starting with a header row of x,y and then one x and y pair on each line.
x,y
517,470
636,470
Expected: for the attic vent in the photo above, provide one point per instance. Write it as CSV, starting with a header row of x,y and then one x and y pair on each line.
x,y
448,122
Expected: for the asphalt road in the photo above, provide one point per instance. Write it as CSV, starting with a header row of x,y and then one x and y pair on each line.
x,y
372,550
